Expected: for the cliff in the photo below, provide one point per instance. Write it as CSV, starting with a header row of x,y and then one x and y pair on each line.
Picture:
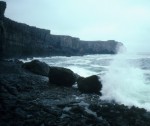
x,y
21,40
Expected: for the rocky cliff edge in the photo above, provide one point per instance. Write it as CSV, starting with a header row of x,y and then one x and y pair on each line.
x,y
21,40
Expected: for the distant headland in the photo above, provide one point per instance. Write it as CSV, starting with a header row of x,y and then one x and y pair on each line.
x,y
21,40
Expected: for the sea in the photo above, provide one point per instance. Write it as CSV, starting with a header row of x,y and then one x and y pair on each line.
x,y
125,77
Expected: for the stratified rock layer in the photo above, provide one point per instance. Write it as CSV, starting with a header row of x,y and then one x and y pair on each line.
x,y
2,8
2,29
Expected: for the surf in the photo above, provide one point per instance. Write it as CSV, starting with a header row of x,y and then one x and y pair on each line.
x,y
125,83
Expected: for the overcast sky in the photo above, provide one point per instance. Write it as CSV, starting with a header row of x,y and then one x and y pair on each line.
x,y
127,21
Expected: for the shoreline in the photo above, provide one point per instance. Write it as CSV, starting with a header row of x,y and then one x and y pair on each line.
x,y
28,99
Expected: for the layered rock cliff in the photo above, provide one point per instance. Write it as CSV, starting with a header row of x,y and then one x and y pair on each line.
x,y
2,31
21,40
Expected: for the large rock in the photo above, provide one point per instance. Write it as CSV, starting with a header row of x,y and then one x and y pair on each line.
x,y
90,84
61,76
26,100
37,67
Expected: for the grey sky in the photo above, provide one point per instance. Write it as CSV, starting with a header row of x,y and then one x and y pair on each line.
x,y
127,21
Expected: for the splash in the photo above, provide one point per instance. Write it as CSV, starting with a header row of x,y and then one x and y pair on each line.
x,y
125,83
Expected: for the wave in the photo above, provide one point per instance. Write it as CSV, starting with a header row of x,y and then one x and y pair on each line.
x,y
125,77
125,83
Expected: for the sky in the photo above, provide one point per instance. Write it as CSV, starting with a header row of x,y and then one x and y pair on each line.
x,y
126,21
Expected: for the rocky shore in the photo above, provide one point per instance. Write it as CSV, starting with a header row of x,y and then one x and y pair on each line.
x,y
29,99
35,94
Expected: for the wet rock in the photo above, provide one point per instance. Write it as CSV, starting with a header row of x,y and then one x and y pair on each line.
x,y
26,100
61,76
77,109
121,115
37,67
90,84
21,113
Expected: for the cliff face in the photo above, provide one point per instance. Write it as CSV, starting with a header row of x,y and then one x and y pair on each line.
x,y
2,31
67,45
2,8
21,40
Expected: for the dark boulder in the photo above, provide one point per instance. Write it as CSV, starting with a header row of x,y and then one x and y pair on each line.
x,y
61,76
37,67
26,100
89,84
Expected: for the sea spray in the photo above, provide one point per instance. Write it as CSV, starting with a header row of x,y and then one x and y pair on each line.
x,y
125,77
124,83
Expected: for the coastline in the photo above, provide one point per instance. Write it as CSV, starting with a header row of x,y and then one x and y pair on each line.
x,y
28,99
20,40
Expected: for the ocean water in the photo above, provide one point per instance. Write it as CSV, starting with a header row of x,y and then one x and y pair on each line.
x,y
125,77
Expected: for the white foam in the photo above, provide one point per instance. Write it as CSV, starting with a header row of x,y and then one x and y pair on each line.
x,y
125,83
81,71
122,78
